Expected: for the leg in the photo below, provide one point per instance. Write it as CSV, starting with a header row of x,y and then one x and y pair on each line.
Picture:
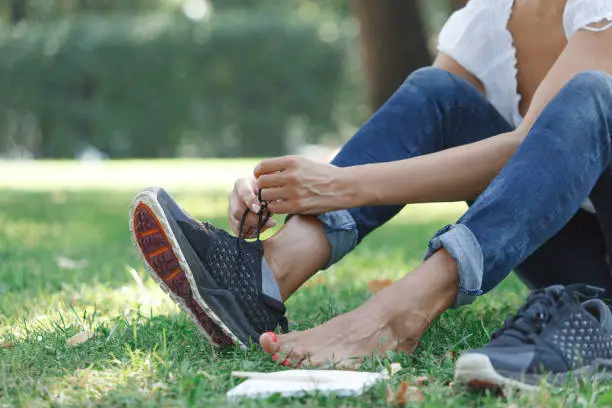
x,y
223,282
433,110
534,196
577,254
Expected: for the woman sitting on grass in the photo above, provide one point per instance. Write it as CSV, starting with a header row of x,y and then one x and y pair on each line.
x,y
514,118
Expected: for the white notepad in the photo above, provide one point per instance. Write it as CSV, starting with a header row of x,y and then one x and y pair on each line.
x,y
301,382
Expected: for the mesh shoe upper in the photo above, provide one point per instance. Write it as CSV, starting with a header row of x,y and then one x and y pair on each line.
x,y
235,265
556,331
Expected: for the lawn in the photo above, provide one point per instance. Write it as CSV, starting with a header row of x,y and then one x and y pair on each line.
x,y
67,265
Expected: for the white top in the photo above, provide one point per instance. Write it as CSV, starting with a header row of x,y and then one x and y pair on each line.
x,y
477,37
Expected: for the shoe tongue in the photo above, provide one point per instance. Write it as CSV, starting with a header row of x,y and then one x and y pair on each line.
x,y
556,289
513,336
600,311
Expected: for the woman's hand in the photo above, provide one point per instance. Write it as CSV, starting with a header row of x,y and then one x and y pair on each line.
x,y
296,185
243,196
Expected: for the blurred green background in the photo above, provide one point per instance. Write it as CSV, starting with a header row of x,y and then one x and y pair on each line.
x,y
201,78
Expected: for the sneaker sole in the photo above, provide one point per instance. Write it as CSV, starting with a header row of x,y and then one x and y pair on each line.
x,y
477,373
159,250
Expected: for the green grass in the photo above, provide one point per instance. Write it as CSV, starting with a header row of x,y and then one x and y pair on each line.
x,y
66,264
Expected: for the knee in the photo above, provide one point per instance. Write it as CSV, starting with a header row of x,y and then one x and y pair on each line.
x,y
588,88
579,116
435,83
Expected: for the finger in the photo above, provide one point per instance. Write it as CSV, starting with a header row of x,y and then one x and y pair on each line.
x,y
271,180
248,196
232,209
274,165
275,193
250,222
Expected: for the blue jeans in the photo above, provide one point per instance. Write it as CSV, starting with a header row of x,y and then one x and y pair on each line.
x,y
529,217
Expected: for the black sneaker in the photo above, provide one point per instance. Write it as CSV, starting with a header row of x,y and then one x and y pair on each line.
x,y
556,336
214,277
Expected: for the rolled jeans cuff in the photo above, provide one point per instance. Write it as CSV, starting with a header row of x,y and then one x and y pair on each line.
x,y
341,231
462,246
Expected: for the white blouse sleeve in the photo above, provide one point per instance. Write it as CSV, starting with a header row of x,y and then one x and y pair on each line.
x,y
467,34
579,14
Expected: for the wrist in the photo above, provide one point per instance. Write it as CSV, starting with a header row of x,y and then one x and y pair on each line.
x,y
349,188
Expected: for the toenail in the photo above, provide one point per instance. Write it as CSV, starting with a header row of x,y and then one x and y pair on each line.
x,y
274,357
273,335
285,363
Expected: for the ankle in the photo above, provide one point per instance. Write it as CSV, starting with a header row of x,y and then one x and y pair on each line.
x,y
275,264
298,251
421,296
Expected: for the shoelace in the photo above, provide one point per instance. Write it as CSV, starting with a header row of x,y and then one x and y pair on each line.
x,y
532,317
263,217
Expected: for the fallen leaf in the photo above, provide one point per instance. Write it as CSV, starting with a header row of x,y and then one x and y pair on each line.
x,y
376,285
400,396
79,338
414,394
390,395
67,263
319,280
422,380
397,398
6,345
394,368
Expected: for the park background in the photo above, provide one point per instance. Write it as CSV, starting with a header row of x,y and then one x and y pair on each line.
x,y
101,98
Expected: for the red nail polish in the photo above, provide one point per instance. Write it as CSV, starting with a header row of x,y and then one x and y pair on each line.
x,y
285,363
274,357
274,338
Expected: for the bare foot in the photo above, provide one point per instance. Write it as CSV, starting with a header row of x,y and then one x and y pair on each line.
x,y
342,342
394,319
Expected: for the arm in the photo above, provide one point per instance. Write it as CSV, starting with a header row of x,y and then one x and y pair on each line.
x,y
456,174
292,184
462,173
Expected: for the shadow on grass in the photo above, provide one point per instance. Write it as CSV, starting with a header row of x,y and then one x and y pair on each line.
x,y
157,358
153,358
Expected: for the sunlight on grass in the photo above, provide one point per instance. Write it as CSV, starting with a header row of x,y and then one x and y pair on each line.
x,y
68,265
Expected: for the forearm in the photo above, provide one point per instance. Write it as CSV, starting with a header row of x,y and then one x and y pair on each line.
x,y
456,174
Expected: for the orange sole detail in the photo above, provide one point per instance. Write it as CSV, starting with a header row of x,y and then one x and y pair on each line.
x,y
157,250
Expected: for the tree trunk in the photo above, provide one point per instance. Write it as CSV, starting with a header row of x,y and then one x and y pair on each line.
x,y
18,10
394,44
457,4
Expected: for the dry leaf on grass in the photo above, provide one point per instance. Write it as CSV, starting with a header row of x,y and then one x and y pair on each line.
x,y
414,394
6,345
319,280
405,393
376,285
79,338
68,263
422,380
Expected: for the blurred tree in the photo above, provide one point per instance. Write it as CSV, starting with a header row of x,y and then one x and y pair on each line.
x,y
457,4
394,44
18,10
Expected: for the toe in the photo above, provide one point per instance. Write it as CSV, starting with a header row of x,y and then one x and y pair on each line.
x,y
270,342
